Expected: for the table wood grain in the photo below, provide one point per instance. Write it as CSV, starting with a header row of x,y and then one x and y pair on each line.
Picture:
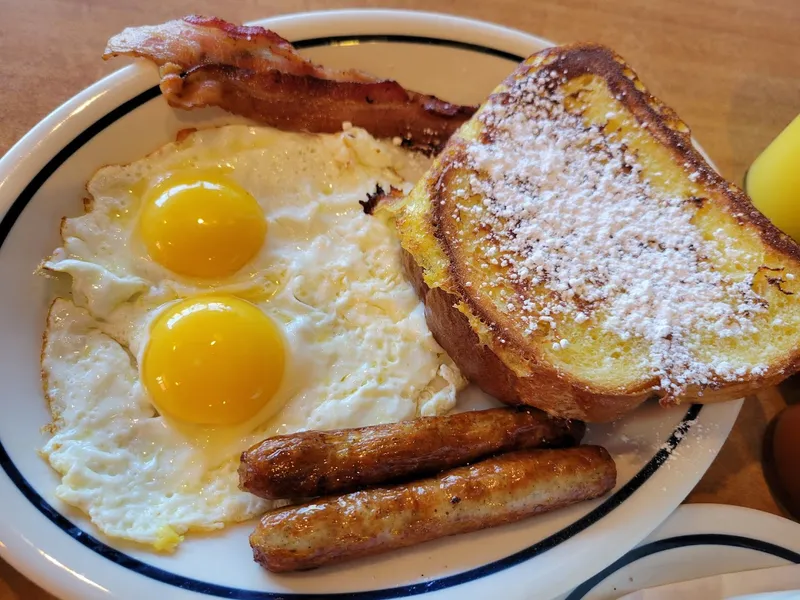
x,y
730,68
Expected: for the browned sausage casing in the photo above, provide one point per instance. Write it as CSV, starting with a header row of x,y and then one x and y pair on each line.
x,y
320,463
497,490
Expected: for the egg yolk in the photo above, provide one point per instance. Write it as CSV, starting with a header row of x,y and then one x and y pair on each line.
x,y
201,226
213,360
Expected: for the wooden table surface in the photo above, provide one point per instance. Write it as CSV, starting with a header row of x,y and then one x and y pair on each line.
x,y
731,69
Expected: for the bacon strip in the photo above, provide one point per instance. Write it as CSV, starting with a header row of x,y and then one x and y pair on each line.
x,y
254,72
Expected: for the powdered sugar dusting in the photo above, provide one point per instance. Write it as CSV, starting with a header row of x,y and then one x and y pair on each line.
x,y
571,210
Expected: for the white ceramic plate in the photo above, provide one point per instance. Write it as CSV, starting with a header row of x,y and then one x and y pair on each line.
x,y
659,455
698,540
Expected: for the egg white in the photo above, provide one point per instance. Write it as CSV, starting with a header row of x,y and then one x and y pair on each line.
x,y
120,463
329,275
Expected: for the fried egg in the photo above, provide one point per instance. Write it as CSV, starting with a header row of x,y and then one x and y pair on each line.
x,y
226,288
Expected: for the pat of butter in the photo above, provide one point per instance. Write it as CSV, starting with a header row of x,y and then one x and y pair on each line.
x,y
729,586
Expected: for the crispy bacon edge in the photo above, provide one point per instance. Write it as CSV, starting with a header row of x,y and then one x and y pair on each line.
x,y
254,72
381,199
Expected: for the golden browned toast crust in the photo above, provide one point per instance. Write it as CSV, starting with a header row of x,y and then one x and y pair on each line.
x,y
547,390
664,124
543,386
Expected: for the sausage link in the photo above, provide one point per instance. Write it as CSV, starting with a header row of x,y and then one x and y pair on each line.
x,y
321,463
497,490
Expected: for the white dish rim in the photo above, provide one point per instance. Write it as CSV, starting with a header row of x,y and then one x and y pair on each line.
x,y
709,524
76,121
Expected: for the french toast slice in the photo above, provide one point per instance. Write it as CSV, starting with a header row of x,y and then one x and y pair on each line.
x,y
577,254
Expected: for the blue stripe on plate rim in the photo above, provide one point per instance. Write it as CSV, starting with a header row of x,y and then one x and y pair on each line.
x,y
683,541
221,591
